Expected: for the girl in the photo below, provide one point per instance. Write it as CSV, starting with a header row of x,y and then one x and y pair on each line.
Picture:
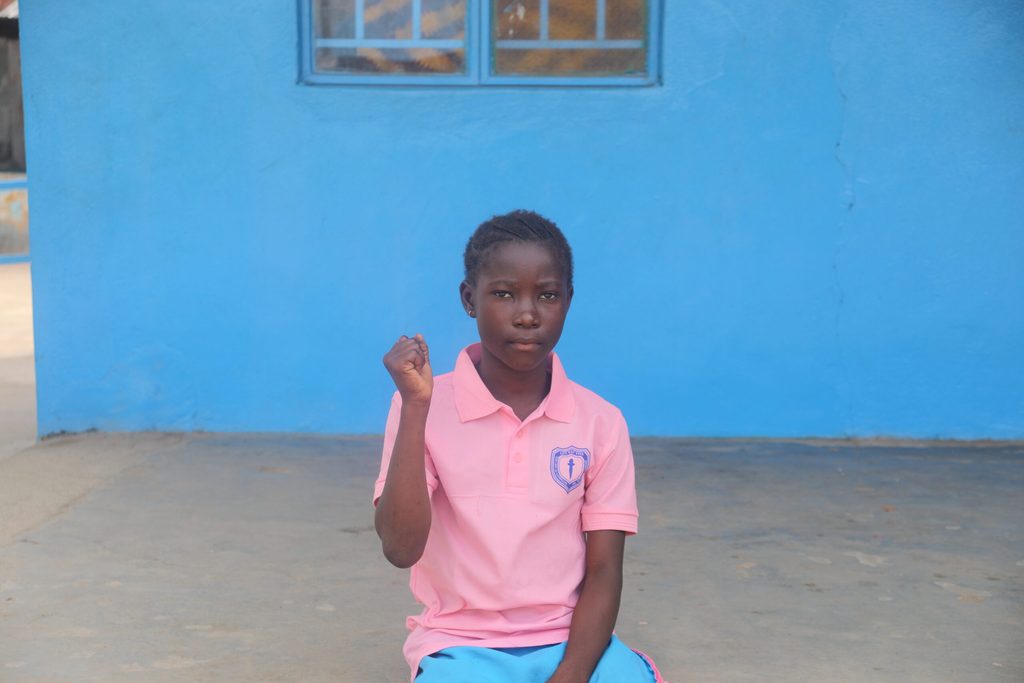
x,y
507,487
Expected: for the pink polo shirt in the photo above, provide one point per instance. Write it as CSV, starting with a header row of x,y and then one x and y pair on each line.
x,y
509,502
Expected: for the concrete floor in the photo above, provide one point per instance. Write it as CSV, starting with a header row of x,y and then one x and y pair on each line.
x,y
217,558
149,557
17,369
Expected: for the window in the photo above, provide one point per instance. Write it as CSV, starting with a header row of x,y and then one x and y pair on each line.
x,y
472,42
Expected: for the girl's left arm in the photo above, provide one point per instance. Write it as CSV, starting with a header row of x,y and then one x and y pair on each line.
x,y
594,617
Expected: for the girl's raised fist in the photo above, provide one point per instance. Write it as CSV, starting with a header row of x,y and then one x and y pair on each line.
x,y
408,361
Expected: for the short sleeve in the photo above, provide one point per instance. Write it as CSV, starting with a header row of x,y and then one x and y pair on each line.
x,y
390,435
610,498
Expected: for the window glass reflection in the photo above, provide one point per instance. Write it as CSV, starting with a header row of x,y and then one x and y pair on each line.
x,y
569,37
390,36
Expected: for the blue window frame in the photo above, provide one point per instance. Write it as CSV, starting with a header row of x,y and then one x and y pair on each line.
x,y
480,42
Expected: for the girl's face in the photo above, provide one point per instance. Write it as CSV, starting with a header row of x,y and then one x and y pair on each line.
x,y
520,298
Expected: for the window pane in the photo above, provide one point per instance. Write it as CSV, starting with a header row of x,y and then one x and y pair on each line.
x,y
572,19
387,19
385,60
626,20
376,37
586,38
444,19
517,20
334,19
570,62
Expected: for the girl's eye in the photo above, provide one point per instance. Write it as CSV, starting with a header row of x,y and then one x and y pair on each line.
x,y
549,296
501,294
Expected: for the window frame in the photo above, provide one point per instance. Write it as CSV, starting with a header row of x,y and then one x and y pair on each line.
x,y
479,58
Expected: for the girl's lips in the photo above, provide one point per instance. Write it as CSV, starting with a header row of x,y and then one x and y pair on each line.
x,y
525,345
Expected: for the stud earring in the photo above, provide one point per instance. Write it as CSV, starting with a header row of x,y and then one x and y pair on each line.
x,y
472,313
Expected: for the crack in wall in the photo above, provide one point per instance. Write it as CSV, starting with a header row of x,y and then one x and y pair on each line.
x,y
848,197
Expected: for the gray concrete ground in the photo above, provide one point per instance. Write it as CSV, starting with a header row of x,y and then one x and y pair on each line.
x,y
217,558
149,557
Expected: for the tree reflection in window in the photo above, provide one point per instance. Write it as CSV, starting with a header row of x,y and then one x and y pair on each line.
x,y
390,36
482,41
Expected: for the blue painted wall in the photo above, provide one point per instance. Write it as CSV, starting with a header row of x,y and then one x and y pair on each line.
x,y
815,226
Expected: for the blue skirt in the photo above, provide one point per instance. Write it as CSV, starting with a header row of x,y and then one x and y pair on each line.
x,y
465,664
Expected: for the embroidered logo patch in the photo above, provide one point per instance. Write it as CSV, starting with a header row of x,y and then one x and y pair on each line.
x,y
568,465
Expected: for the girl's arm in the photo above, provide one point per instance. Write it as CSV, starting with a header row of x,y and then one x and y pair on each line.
x,y
594,617
402,518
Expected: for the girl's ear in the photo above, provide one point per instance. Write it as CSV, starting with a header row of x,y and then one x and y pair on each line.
x,y
568,298
466,297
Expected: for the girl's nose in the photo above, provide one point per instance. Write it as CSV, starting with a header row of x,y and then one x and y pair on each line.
x,y
527,317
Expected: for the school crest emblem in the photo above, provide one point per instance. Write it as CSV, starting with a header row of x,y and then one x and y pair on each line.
x,y
568,465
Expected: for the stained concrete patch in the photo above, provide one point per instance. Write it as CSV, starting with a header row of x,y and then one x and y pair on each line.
x,y
866,559
45,481
219,558
176,662
964,593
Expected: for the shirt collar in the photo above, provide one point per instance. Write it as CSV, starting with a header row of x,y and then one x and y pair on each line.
x,y
474,400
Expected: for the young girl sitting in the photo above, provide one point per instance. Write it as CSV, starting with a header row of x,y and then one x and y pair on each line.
x,y
507,487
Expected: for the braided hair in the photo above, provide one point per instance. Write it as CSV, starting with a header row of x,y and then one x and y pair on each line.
x,y
517,226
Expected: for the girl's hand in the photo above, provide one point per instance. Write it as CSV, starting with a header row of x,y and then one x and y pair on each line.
x,y
408,361
560,677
